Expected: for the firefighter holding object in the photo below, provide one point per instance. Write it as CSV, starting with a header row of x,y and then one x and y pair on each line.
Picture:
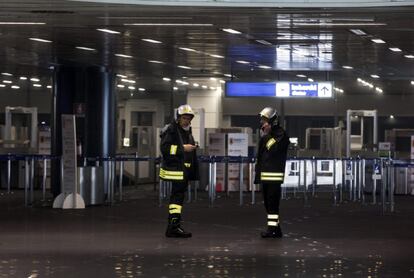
x,y
270,167
179,165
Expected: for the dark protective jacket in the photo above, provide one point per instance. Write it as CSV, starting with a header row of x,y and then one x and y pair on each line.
x,y
177,165
271,156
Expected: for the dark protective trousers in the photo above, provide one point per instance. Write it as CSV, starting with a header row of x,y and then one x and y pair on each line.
x,y
178,189
271,197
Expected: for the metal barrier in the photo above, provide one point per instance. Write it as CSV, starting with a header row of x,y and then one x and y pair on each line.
x,y
301,174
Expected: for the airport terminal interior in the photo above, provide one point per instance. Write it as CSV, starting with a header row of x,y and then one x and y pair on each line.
x,y
88,86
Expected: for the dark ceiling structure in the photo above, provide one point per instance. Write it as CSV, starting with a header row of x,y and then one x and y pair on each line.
x,y
146,44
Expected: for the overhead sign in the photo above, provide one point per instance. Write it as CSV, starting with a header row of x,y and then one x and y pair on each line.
x,y
279,89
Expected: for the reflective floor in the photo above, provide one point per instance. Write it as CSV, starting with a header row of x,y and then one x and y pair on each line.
x,y
127,239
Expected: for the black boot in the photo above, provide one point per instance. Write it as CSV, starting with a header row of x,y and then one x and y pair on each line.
x,y
272,232
174,228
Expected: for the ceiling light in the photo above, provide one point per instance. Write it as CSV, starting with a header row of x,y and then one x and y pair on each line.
x,y
242,62
109,31
213,78
2,85
21,23
132,94
409,56
128,81
310,79
391,116
216,56
23,78
264,42
187,49
185,83
196,85
15,87
337,24
120,86
184,67
377,40
123,55
204,87
212,88
34,79
347,67
85,48
222,81
412,82
168,24
6,74
49,86
375,76
264,67
301,75
358,32
131,87
37,85
121,75
155,62
231,31
39,40
175,88
151,41
227,75
166,79
141,89
395,49
379,90
7,81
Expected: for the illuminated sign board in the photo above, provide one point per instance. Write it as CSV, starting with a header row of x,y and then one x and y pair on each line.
x,y
279,89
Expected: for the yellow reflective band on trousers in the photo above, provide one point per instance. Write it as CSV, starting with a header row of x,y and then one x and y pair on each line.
x,y
171,175
273,216
188,165
271,176
270,143
174,208
272,223
173,149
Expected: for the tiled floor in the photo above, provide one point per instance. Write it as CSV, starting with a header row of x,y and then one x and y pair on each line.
x,y
127,240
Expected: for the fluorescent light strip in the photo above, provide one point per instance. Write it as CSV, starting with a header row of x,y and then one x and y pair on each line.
x,y
409,56
242,62
34,79
6,74
23,78
155,62
109,31
49,86
264,67
123,55
15,87
395,49
264,42
375,76
120,86
37,85
377,40
85,48
2,86
216,56
131,87
151,41
39,40
166,79
7,81
358,32
337,24
231,31
141,89
184,67
168,24
21,23
347,67
187,49
122,76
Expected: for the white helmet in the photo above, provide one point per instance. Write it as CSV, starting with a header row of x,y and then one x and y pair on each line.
x,y
270,114
185,110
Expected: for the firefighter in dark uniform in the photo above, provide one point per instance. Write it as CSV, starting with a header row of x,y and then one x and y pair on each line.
x,y
179,165
270,167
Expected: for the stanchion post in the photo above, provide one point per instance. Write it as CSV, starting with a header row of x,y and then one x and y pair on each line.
x,y
8,174
44,179
241,181
26,183
121,178
392,186
334,182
